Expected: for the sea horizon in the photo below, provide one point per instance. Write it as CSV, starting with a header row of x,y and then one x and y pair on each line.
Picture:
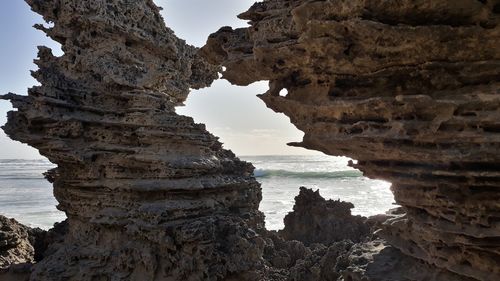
x,y
26,195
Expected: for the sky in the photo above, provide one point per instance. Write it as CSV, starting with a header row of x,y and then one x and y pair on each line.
x,y
233,113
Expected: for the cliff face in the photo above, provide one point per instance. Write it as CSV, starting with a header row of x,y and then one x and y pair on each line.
x,y
411,90
149,194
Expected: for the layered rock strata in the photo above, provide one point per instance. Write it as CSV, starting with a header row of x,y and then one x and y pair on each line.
x,y
409,89
149,194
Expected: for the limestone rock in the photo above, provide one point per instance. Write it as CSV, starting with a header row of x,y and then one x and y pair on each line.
x,y
291,260
21,246
281,253
410,90
149,194
316,220
316,240
15,244
323,264
378,261
46,242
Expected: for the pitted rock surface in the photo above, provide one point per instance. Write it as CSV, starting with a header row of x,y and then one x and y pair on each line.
x,y
291,260
378,261
411,90
149,194
16,243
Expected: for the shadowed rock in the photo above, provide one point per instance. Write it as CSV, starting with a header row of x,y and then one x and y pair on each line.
x,y
16,243
21,246
291,260
316,220
378,261
410,90
316,240
149,194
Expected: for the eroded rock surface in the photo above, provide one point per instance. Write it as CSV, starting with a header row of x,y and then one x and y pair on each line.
x,y
22,246
149,194
316,243
46,242
411,90
316,220
292,260
16,243
378,261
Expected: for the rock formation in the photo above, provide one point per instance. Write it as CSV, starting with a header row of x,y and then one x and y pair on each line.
x,y
283,259
316,240
149,194
21,246
377,261
316,220
46,242
409,89
16,243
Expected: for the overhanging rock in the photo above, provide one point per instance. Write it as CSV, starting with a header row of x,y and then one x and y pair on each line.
x,y
409,89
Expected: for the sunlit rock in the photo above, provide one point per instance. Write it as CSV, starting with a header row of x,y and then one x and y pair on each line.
x,y
149,194
409,89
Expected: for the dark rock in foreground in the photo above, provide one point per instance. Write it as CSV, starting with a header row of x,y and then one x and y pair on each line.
x,y
378,261
316,240
316,220
410,89
333,256
16,243
22,246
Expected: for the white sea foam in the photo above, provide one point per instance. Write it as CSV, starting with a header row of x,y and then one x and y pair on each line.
x,y
281,177
27,196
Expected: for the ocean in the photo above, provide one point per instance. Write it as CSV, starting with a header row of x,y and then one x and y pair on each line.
x,y
282,176
26,196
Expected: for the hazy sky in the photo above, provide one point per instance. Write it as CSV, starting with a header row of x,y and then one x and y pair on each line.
x,y
233,113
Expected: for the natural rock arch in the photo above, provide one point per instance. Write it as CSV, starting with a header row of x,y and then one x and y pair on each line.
x,y
411,90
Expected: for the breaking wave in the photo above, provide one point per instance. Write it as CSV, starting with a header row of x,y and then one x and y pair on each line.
x,y
263,173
